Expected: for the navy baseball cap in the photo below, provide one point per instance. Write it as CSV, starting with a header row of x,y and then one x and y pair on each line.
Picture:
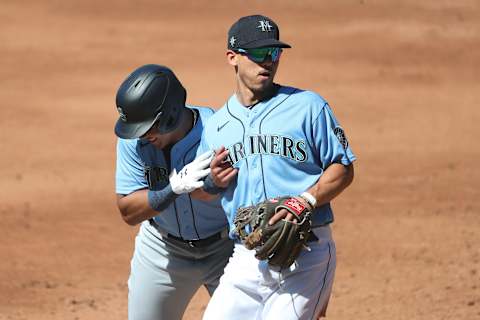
x,y
255,31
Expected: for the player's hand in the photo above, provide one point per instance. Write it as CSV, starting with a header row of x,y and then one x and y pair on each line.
x,y
285,215
222,171
190,177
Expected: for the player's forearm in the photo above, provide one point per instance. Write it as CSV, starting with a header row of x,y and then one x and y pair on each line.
x,y
333,181
135,207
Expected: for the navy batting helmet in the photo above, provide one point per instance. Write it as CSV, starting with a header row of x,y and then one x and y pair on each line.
x,y
150,95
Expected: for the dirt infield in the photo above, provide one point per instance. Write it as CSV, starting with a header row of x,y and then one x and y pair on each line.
x,y
401,76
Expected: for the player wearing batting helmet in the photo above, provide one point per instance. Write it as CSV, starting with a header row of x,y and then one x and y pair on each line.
x,y
183,238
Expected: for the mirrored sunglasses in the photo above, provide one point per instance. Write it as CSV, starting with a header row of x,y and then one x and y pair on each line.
x,y
261,54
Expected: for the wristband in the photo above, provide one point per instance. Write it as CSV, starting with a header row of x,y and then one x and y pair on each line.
x,y
161,199
309,198
210,187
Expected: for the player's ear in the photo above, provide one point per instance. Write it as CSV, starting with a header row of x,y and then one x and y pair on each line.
x,y
232,58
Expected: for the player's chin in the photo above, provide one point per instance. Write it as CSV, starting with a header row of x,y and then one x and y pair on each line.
x,y
263,83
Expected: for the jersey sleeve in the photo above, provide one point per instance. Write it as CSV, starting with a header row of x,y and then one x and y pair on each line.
x,y
330,139
129,176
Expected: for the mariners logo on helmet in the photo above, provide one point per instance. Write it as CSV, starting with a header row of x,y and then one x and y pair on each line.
x,y
123,116
341,137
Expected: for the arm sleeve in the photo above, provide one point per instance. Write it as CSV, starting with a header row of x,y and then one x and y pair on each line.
x,y
330,139
129,176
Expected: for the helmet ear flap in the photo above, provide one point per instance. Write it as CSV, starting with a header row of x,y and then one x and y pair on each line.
x,y
172,106
171,120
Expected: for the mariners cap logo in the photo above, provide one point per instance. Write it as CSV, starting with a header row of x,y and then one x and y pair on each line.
x,y
123,116
265,25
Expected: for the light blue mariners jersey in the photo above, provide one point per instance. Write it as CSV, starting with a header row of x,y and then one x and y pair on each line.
x,y
140,165
281,147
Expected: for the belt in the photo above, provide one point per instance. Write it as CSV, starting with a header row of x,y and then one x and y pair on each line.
x,y
196,243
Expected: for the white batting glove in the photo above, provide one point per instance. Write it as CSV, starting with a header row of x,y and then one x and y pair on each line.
x,y
190,177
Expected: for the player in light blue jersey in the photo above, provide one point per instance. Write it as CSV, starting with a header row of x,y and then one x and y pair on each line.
x,y
183,238
271,141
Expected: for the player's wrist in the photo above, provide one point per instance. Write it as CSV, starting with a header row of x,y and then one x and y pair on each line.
x,y
210,187
309,199
161,199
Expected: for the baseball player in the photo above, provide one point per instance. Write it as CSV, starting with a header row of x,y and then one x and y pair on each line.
x,y
273,141
183,238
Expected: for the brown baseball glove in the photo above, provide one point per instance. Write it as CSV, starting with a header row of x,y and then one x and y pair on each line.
x,y
280,243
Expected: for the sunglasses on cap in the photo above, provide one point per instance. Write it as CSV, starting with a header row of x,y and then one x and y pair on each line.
x,y
261,54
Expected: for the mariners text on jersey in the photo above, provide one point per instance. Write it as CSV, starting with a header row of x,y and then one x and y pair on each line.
x,y
268,144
